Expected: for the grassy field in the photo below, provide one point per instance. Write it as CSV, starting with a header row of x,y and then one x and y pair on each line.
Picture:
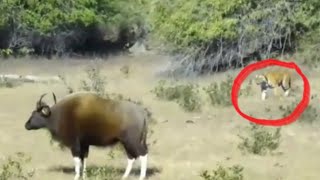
x,y
186,142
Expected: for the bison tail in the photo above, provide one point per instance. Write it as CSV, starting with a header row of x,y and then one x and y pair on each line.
x,y
143,138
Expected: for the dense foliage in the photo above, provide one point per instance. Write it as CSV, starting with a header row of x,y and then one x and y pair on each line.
x,y
56,26
211,35
219,34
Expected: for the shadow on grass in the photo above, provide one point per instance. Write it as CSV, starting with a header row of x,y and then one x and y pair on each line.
x,y
93,171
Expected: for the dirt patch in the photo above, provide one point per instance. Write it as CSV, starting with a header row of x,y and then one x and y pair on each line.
x,y
182,149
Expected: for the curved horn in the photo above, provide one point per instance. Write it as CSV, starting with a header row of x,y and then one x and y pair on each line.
x,y
54,98
42,97
39,102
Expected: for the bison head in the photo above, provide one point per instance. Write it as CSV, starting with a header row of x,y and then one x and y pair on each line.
x,y
39,117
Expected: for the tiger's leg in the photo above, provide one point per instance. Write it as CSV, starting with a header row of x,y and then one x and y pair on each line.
x,y
275,92
286,86
264,95
264,87
287,93
286,90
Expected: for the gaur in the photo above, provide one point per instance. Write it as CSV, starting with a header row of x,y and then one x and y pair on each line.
x,y
82,119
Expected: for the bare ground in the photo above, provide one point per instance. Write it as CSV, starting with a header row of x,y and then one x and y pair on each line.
x,y
182,150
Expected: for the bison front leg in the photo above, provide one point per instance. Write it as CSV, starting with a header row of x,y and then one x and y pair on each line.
x,y
77,166
80,153
83,156
128,168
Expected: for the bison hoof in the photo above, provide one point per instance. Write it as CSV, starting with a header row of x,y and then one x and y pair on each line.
x,y
76,177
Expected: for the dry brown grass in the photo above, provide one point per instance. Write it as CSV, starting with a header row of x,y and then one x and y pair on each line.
x,y
182,150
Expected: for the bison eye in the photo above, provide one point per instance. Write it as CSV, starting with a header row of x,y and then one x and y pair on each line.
x,y
45,111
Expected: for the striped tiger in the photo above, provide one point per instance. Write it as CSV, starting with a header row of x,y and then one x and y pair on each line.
x,y
273,79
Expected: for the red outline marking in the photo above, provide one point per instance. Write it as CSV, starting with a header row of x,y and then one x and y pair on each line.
x,y
262,64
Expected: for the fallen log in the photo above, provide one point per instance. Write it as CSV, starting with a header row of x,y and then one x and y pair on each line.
x,y
30,78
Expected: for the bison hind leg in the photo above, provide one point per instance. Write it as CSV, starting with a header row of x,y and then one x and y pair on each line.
x,y
135,149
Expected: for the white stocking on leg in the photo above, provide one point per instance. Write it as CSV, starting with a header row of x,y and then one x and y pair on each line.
x,y
143,168
77,166
264,95
287,93
84,168
128,168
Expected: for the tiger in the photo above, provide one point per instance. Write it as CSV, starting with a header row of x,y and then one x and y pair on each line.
x,y
272,79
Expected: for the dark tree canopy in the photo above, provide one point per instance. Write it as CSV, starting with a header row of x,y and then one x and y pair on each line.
x,y
208,35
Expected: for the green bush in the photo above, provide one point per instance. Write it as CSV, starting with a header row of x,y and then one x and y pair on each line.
x,y
214,35
309,115
309,47
220,94
186,95
5,53
62,27
192,23
248,90
103,173
48,16
259,140
186,23
95,81
14,168
9,83
221,173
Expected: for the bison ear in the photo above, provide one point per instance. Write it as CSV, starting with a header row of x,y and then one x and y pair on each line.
x,y
46,111
38,106
54,98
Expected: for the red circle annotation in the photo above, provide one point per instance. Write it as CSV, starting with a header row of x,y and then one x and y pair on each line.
x,y
260,65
